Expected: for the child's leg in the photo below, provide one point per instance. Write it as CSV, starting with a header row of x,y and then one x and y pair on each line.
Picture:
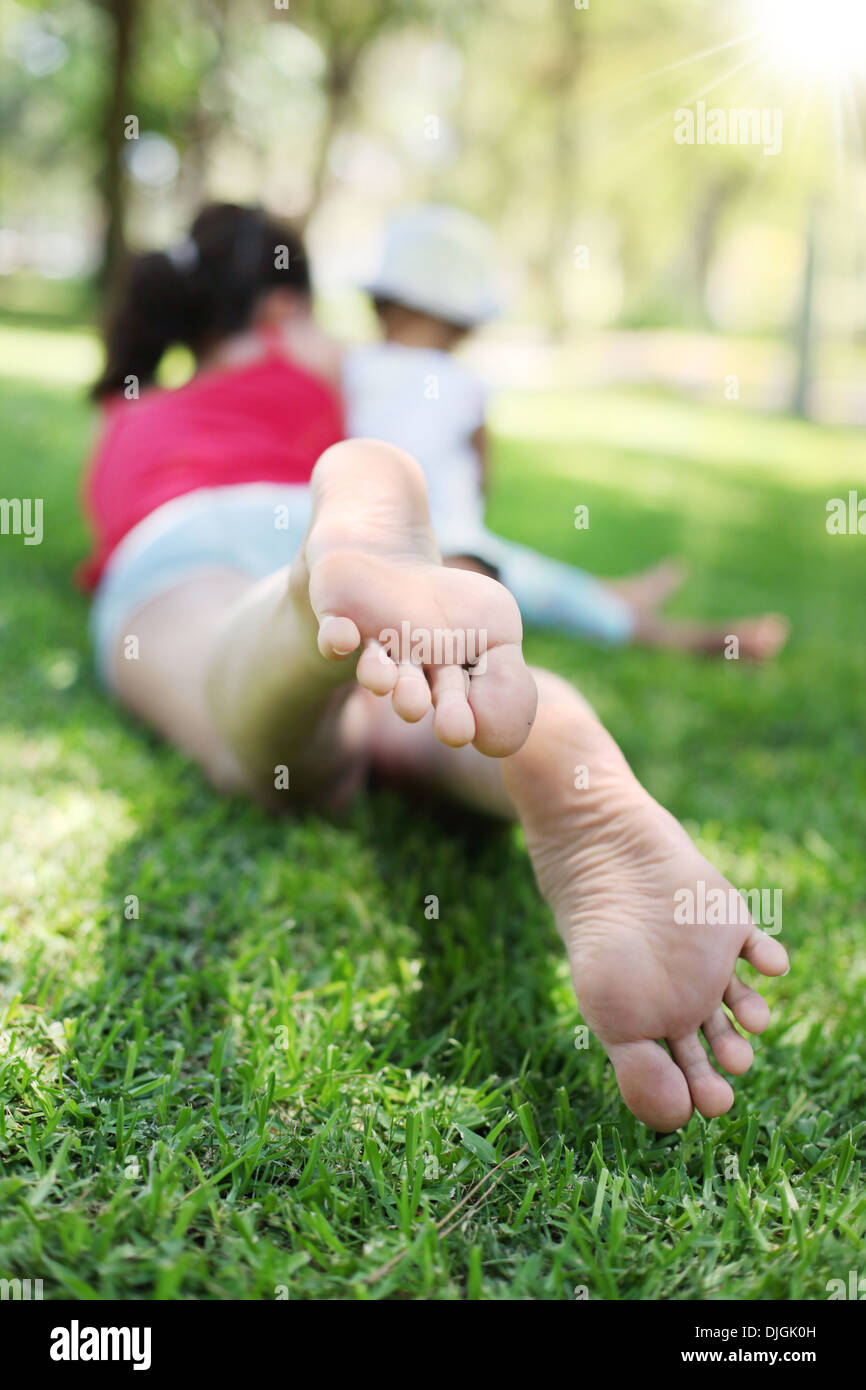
x,y
759,638
650,587
552,594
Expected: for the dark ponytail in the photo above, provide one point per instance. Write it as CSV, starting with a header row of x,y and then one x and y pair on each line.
x,y
199,292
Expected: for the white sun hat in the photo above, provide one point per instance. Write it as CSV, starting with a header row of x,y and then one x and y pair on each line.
x,y
439,260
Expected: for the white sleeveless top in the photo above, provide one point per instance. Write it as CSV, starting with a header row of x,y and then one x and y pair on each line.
x,y
427,403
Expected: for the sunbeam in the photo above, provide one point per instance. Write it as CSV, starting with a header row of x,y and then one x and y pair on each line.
x,y
825,40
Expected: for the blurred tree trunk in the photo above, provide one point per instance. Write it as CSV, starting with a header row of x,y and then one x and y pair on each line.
x,y
561,77
206,122
339,79
122,17
805,332
344,29
711,209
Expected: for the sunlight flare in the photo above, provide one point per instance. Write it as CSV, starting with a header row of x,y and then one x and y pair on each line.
x,y
824,39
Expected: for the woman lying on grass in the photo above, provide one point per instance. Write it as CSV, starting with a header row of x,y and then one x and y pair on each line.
x,y
250,573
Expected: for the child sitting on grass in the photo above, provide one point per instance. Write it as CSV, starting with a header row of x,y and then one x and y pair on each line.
x,y
434,284
246,569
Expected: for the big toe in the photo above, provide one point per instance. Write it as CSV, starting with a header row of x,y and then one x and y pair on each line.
x,y
651,1084
503,697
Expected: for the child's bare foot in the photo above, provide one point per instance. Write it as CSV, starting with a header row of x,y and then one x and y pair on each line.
x,y
760,639
610,860
757,639
651,587
370,567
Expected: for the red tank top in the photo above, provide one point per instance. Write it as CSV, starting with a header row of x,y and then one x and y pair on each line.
x,y
267,421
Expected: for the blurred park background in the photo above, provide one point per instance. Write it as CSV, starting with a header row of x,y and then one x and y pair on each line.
x,y
627,256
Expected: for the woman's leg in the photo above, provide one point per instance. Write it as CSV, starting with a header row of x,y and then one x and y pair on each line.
x,y
160,676
226,671
233,672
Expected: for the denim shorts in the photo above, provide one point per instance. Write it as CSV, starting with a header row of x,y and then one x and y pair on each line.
x,y
254,528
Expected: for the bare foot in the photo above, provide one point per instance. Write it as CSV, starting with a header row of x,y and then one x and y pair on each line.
x,y
371,573
610,862
760,639
651,587
757,639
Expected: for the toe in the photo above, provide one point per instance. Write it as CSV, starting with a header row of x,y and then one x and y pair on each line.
x,y
711,1093
651,1084
749,1008
730,1049
411,697
503,698
338,637
765,953
376,671
453,720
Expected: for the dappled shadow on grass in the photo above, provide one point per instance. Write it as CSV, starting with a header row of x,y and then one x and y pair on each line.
x,y
487,941
427,916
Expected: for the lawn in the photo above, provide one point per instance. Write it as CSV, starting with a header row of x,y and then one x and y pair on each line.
x,y
237,1059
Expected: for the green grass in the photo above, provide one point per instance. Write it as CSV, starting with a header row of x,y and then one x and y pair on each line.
x,y
280,1074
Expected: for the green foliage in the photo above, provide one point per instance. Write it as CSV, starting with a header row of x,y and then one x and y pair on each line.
x,y
554,123
281,1076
